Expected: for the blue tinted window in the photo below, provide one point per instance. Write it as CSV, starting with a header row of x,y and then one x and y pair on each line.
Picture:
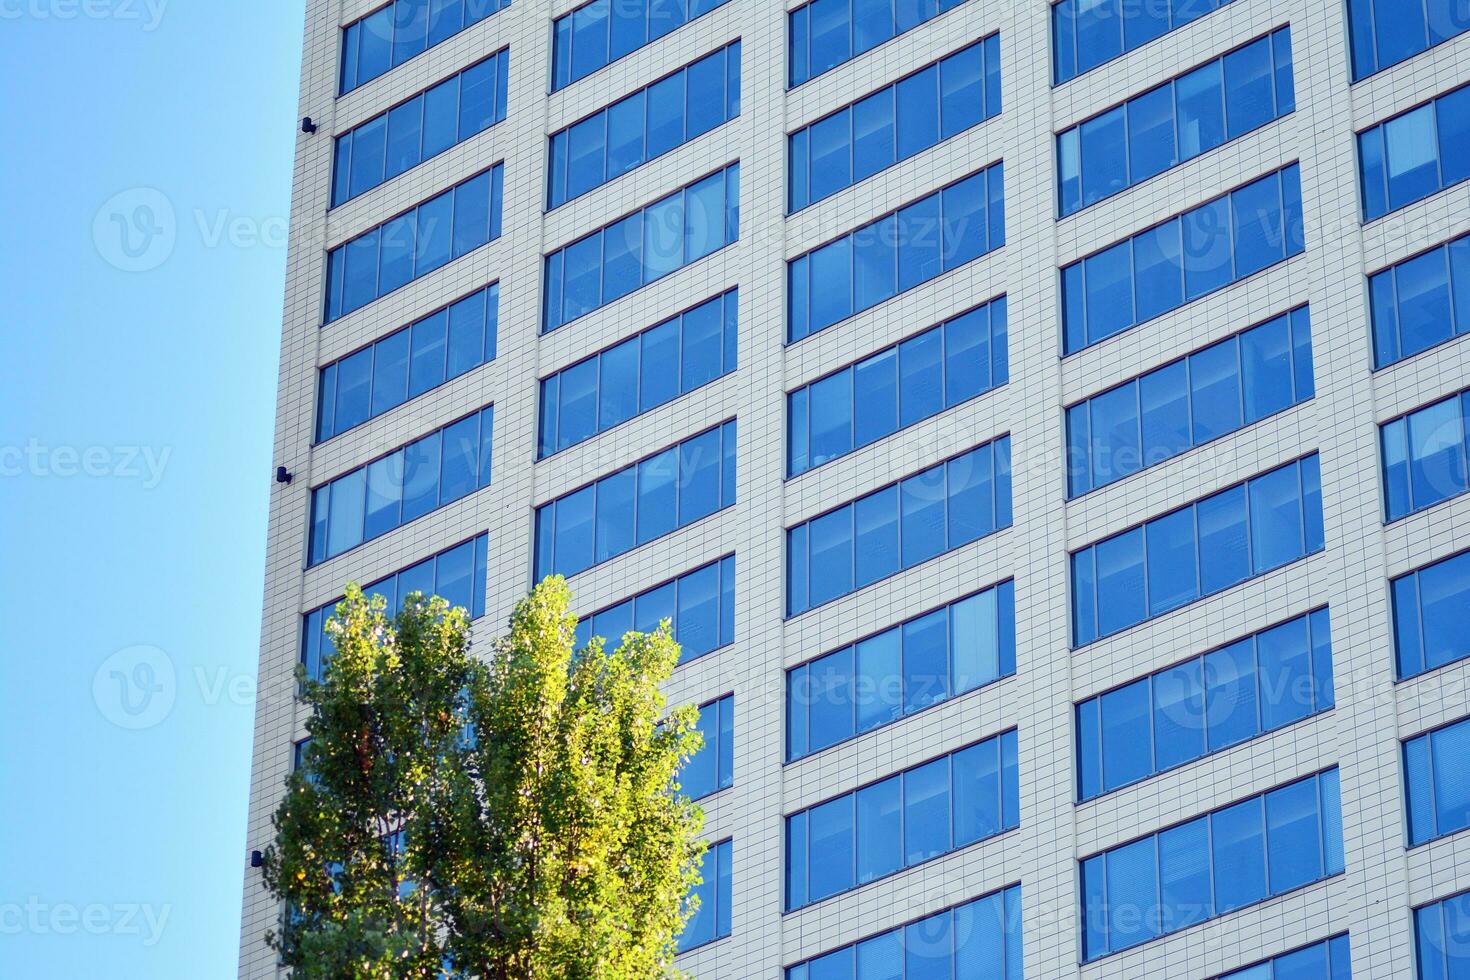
x,y
826,33
1429,608
1175,122
1439,938
711,918
894,123
1421,302
931,512
712,768
1330,959
1424,456
699,604
1220,241
825,840
636,250
457,574
1386,32
376,498
406,363
924,239
965,645
427,124
636,504
1437,782
1415,154
631,131
666,360
898,386
1116,586
1236,856
598,33
1188,402
391,35
414,244
1088,33
981,938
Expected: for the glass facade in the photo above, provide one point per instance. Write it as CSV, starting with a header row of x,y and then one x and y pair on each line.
x,y
920,662
1169,265
1206,704
647,370
1215,103
1415,154
1231,858
904,119
699,605
1421,302
1437,782
897,387
1196,551
411,132
642,247
647,124
428,473
408,362
414,244
902,525
896,253
392,34
979,940
904,820
653,497
1330,959
1190,402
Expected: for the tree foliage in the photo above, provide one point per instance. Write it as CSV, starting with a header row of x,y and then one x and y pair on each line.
x,y
515,819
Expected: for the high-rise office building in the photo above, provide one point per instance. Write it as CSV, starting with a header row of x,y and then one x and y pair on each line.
x,y
1045,423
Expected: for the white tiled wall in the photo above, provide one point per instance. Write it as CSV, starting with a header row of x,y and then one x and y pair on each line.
x,y
1372,899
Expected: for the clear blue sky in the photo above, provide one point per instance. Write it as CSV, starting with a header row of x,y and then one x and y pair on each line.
x,y
137,390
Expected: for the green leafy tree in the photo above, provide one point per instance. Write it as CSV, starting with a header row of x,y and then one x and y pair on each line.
x,y
511,820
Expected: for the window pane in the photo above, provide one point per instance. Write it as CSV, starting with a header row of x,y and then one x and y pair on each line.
x,y
1104,156
1285,677
1207,260
1248,95
1223,550
974,631
831,556
1238,844
1452,777
1171,561
922,506
1132,885
1411,152
1230,695
1164,395
1158,270
1294,836
1184,876
831,847
658,495
879,824
1276,519
925,661
918,112
875,400
977,810
876,516
1179,715
1109,283
1265,355
1120,582
1151,133
880,682
1126,737
926,811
